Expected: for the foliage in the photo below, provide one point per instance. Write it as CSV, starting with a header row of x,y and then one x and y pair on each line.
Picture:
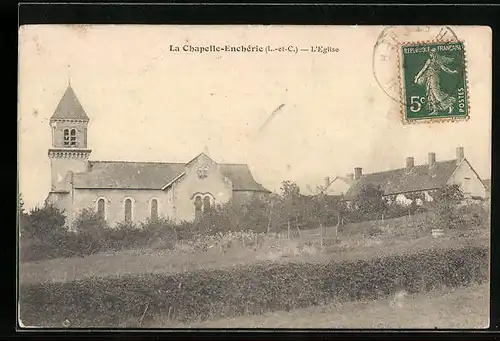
x,y
43,234
369,203
247,289
445,208
475,215
42,223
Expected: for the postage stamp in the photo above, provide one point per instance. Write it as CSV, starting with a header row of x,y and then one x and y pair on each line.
x,y
434,81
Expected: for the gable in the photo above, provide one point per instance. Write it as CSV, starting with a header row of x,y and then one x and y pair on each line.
x,y
465,170
338,186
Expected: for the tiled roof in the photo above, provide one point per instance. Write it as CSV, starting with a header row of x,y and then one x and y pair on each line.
x,y
69,107
153,175
400,181
241,177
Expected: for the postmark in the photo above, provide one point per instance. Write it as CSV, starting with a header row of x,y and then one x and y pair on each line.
x,y
436,95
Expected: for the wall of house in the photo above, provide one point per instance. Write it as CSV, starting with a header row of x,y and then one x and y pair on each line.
x,y
115,203
406,199
403,200
338,187
468,181
216,185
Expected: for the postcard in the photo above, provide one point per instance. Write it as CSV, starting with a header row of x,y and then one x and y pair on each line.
x,y
254,176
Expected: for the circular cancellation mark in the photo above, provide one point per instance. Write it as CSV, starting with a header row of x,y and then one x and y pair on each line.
x,y
415,57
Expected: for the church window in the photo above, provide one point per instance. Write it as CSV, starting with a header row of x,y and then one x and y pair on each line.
x,y
128,210
197,207
154,209
101,209
72,138
66,137
206,204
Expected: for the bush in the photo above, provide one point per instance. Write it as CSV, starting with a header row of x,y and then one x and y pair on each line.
x,y
204,294
475,215
41,223
41,230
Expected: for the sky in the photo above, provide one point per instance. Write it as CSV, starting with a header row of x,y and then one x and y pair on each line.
x,y
147,103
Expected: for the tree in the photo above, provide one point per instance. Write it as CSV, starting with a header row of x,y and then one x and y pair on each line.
x,y
43,222
292,203
451,194
255,214
444,206
369,203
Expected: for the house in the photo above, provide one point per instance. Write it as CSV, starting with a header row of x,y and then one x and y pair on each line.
x,y
134,191
417,182
338,186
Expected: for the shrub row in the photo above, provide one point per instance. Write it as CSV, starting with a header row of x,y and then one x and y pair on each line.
x,y
249,289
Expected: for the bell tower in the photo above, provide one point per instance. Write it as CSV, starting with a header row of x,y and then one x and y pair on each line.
x,y
69,152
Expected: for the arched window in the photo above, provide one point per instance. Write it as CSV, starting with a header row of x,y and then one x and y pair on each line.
x,y
101,208
128,210
72,138
66,137
206,204
154,209
198,204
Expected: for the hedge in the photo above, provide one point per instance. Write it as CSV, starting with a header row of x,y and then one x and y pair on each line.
x,y
250,289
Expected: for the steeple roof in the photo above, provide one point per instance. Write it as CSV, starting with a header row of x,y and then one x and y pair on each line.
x,y
69,107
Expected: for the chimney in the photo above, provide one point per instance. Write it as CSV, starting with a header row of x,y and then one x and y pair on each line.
x,y
327,182
350,176
431,159
460,154
358,171
410,163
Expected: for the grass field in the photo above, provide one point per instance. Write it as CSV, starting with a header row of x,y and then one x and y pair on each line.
x,y
160,261
446,309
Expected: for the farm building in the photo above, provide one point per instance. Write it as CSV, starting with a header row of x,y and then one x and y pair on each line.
x,y
134,191
338,186
418,181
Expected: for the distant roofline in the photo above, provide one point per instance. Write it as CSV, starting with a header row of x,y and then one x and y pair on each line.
x,y
422,164
163,162
347,198
150,162
417,190
253,190
119,188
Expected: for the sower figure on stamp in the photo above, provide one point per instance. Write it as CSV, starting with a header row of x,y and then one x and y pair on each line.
x,y
437,99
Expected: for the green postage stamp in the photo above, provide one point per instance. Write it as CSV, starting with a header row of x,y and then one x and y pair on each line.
x,y
434,81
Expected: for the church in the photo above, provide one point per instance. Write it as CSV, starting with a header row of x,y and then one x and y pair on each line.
x,y
134,191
